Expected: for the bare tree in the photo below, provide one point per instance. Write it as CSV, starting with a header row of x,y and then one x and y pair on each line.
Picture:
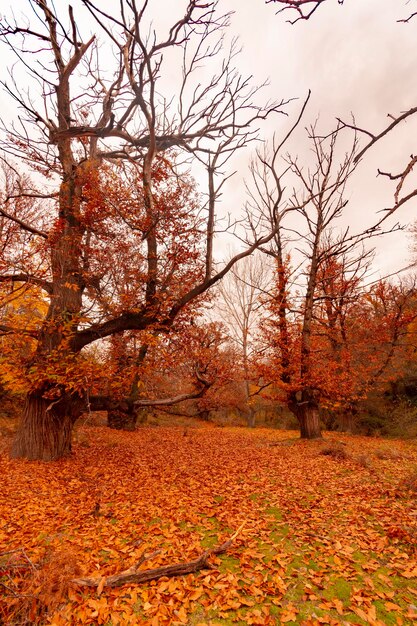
x,y
319,204
405,188
304,9
240,306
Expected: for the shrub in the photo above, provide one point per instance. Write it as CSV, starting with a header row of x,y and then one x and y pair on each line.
x,y
363,460
334,451
388,454
410,482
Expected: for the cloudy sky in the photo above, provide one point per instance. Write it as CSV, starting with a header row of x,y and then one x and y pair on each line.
x,y
356,58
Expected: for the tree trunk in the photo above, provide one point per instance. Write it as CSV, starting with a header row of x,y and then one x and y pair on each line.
x,y
306,410
121,417
204,415
347,420
44,432
251,417
309,420
121,414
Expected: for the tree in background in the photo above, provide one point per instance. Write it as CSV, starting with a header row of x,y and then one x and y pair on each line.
x,y
290,332
405,188
143,370
240,303
359,341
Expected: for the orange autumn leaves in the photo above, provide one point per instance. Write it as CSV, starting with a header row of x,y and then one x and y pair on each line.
x,y
322,542
360,338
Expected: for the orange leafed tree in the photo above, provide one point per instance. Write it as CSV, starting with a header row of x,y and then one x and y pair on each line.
x,y
358,339
92,227
114,258
329,258
142,370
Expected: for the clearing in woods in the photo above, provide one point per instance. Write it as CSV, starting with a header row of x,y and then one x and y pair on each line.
x,y
330,530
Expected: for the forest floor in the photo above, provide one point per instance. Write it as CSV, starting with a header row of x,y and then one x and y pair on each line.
x,y
330,533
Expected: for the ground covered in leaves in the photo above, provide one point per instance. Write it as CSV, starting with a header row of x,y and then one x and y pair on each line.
x,y
330,532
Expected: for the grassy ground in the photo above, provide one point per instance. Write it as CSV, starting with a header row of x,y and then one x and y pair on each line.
x,y
328,538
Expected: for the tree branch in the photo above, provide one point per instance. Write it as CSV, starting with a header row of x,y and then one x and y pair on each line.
x,y
375,138
22,224
181,397
27,278
133,576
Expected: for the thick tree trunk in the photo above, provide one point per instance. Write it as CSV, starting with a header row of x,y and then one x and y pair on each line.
x,y
121,416
44,432
306,410
309,419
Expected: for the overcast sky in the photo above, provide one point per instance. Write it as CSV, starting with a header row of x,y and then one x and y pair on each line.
x,y
355,58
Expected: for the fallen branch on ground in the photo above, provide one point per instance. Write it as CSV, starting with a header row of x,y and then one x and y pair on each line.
x,y
133,576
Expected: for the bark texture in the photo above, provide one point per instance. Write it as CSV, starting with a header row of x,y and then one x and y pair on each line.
x,y
45,428
306,409
309,419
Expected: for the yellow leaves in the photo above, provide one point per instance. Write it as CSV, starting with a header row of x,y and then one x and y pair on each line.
x,y
333,604
360,612
100,609
181,615
71,286
410,572
391,606
412,612
368,614
289,614
196,595
58,620
338,605
101,585
257,617
168,586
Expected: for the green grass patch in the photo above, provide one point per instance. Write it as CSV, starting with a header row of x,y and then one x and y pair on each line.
x,y
338,588
229,564
279,533
387,617
275,512
209,541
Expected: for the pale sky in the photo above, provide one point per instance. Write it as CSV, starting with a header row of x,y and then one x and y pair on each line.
x,y
355,58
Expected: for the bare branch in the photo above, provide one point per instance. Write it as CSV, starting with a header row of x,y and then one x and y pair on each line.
x,y
181,397
383,133
27,278
303,8
22,224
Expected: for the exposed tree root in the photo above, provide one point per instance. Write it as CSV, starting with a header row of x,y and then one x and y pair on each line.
x,y
133,576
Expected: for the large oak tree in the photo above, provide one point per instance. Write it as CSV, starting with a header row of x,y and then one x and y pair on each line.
x,y
106,97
